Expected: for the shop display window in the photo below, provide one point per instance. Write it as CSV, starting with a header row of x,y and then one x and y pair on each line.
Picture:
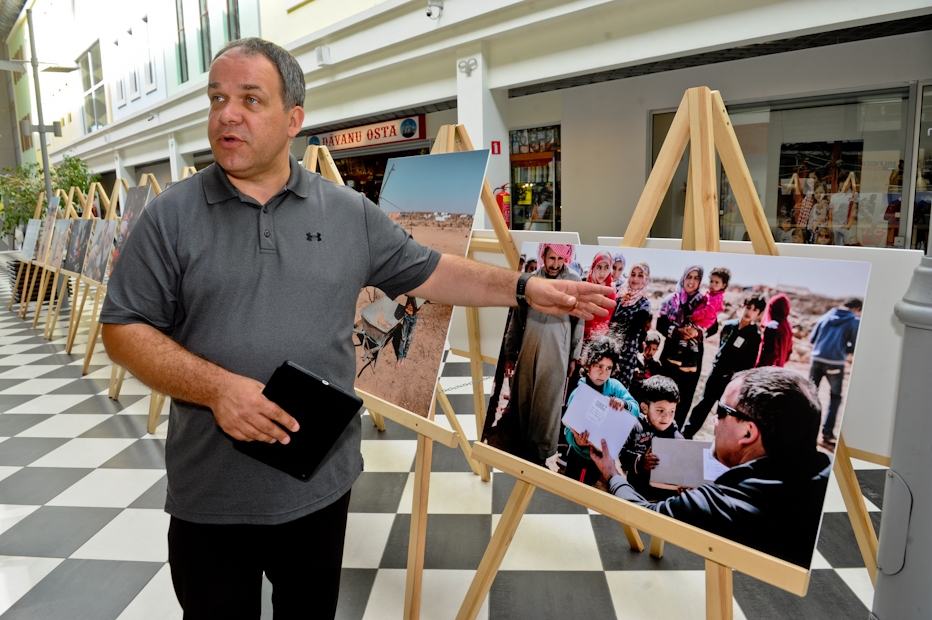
x,y
923,200
535,178
365,174
828,170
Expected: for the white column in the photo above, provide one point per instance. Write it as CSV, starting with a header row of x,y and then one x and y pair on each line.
x,y
483,112
122,172
176,160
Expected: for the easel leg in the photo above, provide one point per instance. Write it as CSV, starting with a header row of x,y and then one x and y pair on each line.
x,y
23,298
19,275
656,547
719,589
495,553
76,314
24,304
94,331
418,535
53,299
377,420
117,374
444,403
634,537
475,371
40,302
155,410
66,292
857,512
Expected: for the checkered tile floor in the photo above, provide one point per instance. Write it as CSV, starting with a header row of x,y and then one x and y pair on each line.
x,y
82,531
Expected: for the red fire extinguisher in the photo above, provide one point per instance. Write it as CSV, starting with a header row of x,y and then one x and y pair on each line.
x,y
504,203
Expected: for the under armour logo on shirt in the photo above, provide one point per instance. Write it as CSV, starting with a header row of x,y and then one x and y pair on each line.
x,y
313,236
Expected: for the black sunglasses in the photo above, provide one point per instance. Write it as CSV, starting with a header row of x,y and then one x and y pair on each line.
x,y
723,410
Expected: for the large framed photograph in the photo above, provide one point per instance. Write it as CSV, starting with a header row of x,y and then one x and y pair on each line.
x,y
60,235
30,239
399,342
136,200
713,393
45,237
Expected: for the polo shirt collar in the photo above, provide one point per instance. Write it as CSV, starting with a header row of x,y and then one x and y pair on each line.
x,y
217,186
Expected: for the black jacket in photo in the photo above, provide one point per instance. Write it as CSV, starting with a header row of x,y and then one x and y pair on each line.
x,y
772,504
636,446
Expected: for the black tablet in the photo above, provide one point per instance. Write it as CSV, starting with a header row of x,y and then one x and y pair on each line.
x,y
322,410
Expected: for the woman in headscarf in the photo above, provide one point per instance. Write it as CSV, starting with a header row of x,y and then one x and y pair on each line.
x,y
599,273
618,270
631,320
777,339
673,323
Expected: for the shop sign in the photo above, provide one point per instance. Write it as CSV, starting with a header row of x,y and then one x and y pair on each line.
x,y
388,132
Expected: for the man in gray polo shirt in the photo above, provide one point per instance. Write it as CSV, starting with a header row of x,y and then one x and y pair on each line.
x,y
249,263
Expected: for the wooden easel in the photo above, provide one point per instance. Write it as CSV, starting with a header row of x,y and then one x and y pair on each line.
x,y
50,271
702,121
25,266
43,249
109,205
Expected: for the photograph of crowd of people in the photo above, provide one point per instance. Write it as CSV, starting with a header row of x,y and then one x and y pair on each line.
x,y
77,245
399,342
763,344
48,226
136,200
98,253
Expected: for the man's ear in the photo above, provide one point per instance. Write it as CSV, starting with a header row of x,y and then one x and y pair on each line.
x,y
751,436
295,121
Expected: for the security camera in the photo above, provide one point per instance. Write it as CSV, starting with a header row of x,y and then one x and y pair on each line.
x,y
431,5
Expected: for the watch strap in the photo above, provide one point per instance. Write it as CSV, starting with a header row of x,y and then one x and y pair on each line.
x,y
519,291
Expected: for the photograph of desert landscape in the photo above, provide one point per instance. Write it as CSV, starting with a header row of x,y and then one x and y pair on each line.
x,y
399,342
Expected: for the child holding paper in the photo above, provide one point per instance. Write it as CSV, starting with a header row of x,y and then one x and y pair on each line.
x,y
660,398
600,357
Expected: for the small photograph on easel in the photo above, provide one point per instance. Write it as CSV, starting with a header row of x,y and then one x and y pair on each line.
x,y
77,245
30,239
60,235
136,200
713,393
45,237
98,254
399,342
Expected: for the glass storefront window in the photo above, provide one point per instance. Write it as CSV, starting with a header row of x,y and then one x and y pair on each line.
x,y
923,202
827,170
365,173
535,178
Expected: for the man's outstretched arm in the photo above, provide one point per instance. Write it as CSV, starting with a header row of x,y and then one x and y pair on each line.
x,y
461,282
159,362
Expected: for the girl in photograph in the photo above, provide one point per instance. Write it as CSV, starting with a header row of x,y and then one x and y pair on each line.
x,y
777,338
631,320
674,323
600,273
618,270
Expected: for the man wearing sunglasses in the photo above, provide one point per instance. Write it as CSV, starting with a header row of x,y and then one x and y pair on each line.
x,y
766,427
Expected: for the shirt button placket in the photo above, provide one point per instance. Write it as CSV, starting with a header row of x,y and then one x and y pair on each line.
x,y
266,240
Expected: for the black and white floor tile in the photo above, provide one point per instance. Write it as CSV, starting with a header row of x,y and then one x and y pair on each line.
x,y
83,533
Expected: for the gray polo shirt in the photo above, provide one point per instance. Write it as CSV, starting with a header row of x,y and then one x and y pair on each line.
x,y
248,286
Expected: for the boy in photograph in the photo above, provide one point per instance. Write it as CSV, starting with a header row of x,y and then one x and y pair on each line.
x,y
737,350
832,339
660,398
601,357
645,365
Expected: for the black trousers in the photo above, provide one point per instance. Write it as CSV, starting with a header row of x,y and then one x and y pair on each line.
x,y
714,388
217,569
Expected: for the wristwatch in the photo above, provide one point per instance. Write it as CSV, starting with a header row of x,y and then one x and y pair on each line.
x,y
519,292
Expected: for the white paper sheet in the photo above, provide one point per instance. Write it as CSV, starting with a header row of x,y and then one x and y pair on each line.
x,y
685,463
590,411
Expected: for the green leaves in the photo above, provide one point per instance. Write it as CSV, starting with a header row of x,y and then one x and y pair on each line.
x,y
20,188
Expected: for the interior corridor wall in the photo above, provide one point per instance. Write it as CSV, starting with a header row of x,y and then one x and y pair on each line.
x,y
605,127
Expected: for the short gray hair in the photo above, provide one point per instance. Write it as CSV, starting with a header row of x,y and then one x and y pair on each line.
x,y
289,71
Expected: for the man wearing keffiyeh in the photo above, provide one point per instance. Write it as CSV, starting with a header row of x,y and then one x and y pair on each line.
x,y
539,351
